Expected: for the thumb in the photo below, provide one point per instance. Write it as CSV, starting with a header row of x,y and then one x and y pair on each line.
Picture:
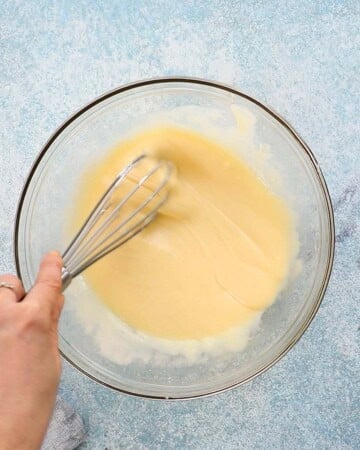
x,y
47,287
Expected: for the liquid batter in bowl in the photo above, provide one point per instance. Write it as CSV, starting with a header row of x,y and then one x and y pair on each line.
x,y
215,257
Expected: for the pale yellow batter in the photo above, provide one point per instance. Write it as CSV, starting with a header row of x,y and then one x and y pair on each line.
x,y
217,254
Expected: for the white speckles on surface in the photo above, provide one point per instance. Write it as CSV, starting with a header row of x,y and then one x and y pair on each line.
x,y
302,58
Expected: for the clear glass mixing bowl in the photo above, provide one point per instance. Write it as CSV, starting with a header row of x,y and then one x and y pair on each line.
x,y
43,214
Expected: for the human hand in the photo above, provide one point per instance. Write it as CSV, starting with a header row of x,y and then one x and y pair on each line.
x,y
30,364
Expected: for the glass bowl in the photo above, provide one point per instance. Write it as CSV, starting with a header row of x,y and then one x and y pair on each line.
x,y
89,333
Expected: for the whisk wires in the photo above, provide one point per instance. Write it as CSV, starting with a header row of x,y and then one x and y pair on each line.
x,y
130,203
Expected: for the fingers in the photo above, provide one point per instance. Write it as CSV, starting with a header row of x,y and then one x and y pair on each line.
x,y
49,275
8,294
47,288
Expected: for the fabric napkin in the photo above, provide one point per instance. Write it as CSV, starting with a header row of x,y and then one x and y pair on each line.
x,y
66,430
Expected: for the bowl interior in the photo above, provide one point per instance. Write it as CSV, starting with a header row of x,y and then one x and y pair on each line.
x,y
90,336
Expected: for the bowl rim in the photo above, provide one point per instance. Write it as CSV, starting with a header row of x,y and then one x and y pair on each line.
x,y
322,183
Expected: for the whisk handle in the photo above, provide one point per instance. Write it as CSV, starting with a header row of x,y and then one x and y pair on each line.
x,y
66,278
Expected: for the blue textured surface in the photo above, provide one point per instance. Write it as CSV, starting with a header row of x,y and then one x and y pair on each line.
x,y
302,58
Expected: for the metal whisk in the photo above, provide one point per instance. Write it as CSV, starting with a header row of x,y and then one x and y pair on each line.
x,y
130,203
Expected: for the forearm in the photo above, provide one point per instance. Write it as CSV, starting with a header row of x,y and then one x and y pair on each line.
x,y
21,431
24,417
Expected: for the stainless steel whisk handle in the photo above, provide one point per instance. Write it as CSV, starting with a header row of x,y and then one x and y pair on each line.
x,y
66,278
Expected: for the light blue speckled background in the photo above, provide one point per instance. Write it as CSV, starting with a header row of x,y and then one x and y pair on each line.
x,y
300,57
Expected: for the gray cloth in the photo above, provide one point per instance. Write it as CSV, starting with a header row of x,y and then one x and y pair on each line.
x,y
66,430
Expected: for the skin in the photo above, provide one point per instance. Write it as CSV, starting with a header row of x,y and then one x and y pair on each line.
x,y
29,357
